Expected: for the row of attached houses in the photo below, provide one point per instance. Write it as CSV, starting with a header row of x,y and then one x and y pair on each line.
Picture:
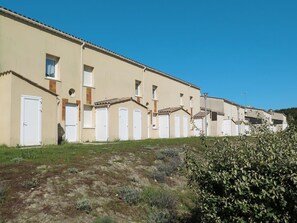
x,y
221,117
55,85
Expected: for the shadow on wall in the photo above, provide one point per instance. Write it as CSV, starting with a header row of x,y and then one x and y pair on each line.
x,y
61,133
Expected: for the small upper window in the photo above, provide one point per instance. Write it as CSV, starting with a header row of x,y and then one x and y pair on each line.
x,y
137,88
181,99
88,76
155,97
191,101
51,67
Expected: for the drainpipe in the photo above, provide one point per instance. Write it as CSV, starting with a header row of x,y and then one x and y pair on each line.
x,y
142,93
206,124
81,90
238,120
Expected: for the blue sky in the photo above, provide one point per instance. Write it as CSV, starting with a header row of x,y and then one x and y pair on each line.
x,y
244,51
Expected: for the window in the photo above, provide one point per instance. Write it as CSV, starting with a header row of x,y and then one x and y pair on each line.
x,y
191,101
88,76
137,88
181,99
154,92
88,117
214,116
51,67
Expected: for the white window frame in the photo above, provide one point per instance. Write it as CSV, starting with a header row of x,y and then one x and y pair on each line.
x,y
88,116
56,61
137,88
154,92
88,76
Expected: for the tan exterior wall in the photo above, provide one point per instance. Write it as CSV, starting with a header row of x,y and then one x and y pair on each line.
x,y
113,113
181,115
49,111
5,111
24,48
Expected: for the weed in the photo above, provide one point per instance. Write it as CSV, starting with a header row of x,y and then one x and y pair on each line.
x,y
31,183
104,220
169,153
72,170
3,192
170,166
84,205
129,195
158,216
159,198
159,176
17,159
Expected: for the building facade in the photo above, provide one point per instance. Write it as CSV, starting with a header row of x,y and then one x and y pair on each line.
x,y
76,86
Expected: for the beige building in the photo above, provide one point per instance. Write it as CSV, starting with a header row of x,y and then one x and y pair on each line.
x,y
81,87
225,118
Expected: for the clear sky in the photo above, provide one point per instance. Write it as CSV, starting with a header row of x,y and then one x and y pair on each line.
x,y
241,50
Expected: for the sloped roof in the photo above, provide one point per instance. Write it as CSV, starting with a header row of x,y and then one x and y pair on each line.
x,y
112,101
200,114
87,43
27,80
170,110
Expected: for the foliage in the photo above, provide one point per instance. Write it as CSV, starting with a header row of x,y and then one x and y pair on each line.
x,y
159,216
247,180
159,198
30,183
72,170
84,205
3,192
129,194
104,220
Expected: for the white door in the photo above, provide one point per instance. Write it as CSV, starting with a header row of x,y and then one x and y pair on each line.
x,y
123,124
164,126
198,127
137,124
185,125
226,127
31,110
177,126
71,123
101,124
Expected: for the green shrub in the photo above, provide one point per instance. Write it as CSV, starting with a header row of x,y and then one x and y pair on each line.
x,y
159,176
167,153
247,180
129,195
84,205
104,220
72,170
169,167
159,216
159,198
3,192
31,183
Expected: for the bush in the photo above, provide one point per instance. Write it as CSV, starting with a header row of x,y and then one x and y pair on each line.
x,y
170,166
31,183
84,205
159,216
129,195
158,176
159,198
104,220
247,180
3,192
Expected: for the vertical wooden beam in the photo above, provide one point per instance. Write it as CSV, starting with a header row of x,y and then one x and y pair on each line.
x,y
64,102
53,86
89,95
79,108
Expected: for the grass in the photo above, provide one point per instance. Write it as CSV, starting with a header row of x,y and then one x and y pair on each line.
x,y
55,154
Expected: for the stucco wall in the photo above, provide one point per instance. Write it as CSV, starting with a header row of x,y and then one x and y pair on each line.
x,y
5,111
49,111
181,115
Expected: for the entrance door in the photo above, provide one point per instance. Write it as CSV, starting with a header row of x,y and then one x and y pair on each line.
x,y
123,124
101,124
71,123
226,127
197,127
137,124
177,126
164,126
185,125
31,120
